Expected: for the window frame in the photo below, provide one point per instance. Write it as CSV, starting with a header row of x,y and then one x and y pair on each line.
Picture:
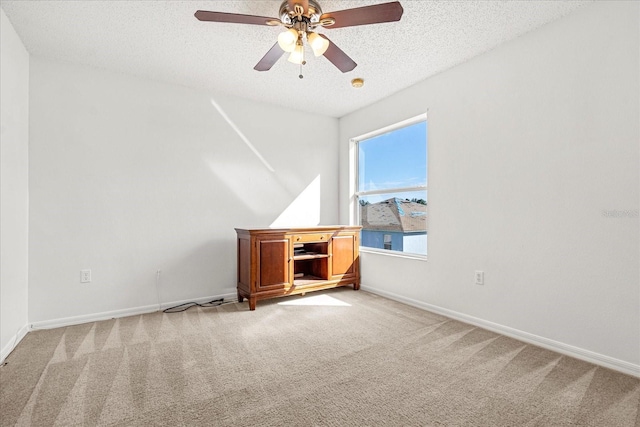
x,y
354,205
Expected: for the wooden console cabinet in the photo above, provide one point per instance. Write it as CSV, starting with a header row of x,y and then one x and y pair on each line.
x,y
279,262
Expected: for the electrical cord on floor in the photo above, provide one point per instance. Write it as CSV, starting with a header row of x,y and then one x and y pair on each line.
x,y
187,305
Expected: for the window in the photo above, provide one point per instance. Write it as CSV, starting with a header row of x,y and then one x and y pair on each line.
x,y
390,174
387,241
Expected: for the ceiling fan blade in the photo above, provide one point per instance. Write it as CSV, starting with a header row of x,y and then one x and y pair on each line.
x,y
269,59
338,57
375,14
234,18
303,3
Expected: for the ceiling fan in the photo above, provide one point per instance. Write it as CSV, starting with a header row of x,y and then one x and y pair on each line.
x,y
300,18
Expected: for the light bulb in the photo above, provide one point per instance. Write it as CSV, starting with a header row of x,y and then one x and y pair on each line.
x,y
318,44
297,56
287,40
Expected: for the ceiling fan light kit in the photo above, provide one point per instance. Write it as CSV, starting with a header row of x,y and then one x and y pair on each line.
x,y
287,40
317,43
300,17
297,55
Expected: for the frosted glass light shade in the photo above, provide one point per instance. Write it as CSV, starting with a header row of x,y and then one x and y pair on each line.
x,y
318,44
287,40
297,56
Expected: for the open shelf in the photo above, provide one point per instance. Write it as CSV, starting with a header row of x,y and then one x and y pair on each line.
x,y
311,263
307,280
309,256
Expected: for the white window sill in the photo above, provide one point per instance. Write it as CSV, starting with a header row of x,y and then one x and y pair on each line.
x,y
397,254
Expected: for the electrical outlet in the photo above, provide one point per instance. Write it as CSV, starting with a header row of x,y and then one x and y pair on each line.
x,y
479,277
85,276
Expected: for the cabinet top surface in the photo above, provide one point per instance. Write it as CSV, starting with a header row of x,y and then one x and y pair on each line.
x,y
325,228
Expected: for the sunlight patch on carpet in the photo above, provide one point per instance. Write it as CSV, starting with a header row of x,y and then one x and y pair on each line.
x,y
325,300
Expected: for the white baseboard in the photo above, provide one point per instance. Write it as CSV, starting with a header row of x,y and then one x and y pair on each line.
x,y
13,342
134,311
569,350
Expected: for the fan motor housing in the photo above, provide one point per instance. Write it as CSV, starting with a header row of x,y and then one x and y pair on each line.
x,y
289,16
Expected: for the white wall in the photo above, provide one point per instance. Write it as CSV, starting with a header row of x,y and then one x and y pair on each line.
x,y
14,186
130,176
529,144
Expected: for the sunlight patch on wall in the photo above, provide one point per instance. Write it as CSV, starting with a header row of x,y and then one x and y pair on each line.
x,y
241,135
304,211
319,300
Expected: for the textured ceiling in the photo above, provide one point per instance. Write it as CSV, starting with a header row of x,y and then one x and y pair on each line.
x,y
162,40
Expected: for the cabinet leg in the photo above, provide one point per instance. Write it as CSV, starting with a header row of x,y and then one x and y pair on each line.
x,y
356,286
240,297
252,303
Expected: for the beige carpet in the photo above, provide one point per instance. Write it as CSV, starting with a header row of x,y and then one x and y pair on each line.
x,y
365,361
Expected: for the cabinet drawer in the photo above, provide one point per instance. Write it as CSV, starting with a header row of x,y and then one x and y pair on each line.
x,y
311,237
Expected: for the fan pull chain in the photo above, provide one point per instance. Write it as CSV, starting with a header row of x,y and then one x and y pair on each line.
x,y
303,62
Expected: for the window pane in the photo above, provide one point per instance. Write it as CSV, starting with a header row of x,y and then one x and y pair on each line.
x,y
394,160
395,221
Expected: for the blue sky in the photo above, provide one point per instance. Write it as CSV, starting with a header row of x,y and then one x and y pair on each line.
x,y
395,159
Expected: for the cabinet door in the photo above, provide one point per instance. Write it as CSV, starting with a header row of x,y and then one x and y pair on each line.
x,y
274,263
344,255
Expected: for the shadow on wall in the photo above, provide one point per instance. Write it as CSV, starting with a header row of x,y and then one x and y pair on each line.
x,y
304,210
261,189
241,135
209,269
259,192
249,192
